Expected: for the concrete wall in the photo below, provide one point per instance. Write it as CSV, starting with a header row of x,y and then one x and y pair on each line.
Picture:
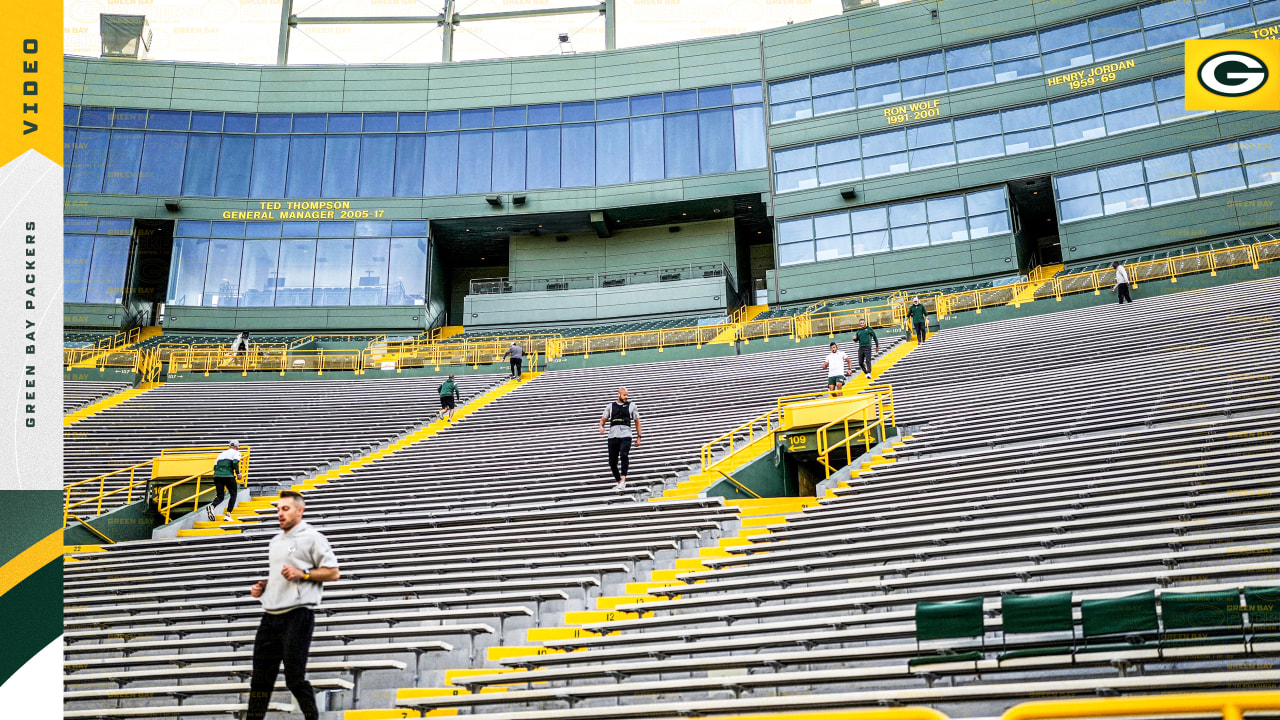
x,y
685,297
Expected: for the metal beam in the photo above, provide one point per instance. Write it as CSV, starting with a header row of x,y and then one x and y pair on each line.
x,y
610,25
538,12
282,47
447,21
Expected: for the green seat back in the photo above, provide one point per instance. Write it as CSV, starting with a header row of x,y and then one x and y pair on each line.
x,y
1131,613
1263,605
1036,613
946,620
1186,610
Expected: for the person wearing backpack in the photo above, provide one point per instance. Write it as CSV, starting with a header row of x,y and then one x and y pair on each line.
x,y
619,416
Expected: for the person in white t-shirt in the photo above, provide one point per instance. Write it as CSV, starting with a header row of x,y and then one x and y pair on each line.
x,y
1122,282
838,367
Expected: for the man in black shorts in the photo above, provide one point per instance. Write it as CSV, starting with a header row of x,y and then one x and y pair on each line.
x,y
448,399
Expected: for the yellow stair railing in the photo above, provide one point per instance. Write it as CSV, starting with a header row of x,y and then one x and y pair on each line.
x,y
868,418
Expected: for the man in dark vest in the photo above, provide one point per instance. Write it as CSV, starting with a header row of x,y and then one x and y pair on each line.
x,y
619,416
919,319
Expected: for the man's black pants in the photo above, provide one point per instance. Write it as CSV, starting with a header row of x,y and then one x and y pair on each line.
x,y
1123,291
284,637
920,332
619,456
516,365
864,359
228,486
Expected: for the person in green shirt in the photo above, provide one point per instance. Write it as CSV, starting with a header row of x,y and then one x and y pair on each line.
x,y
448,399
865,337
919,321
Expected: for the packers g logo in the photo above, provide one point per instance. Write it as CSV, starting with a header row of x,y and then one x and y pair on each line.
x,y
1232,74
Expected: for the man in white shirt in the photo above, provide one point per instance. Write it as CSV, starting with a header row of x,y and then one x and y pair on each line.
x,y
838,367
619,416
1122,282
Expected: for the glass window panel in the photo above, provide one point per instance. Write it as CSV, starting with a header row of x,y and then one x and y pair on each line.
x,y
1212,158
297,268
1169,87
1224,21
789,90
341,165
932,134
1263,147
1174,110
997,223
197,228
646,105
1027,140
270,160
411,122
969,150
861,221
1081,208
837,102
208,121
795,230
831,82
948,231
510,116
129,118
889,164
227,229
904,238
1174,190
577,155
1075,108
408,271
1220,181
201,169
95,117
833,248
885,142
162,156
977,126
1014,69
306,167
258,273
377,165
439,121
509,154
747,93
1169,34
748,137
928,85
868,243
410,155
972,77
1126,96
123,160
1167,166
1124,200
1015,47
830,225
1063,37
920,65
441,176
222,278
239,122
793,158
372,228
794,110
1024,118
186,271
369,271
1115,24
68,155
409,228
715,141
274,123
1266,10
379,122
475,119
612,109
946,208
233,166
70,115
1069,58
878,94
1116,46
1166,12
968,56
115,226
1265,172
715,97
613,156
1119,176
344,122
646,149
680,137
544,114
310,123
333,272
168,120
682,100
77,255
935,156
327,229
262,230
1132,119
578,112
797,180
796,253
879,73
544,157
475,162
986,201
904,214
1075,131
837,150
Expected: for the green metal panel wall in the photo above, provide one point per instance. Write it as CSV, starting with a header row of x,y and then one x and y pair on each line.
x,y
585,254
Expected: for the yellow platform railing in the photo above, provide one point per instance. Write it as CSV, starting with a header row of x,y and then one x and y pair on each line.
x,y
165,504
859,427
758,428
102,494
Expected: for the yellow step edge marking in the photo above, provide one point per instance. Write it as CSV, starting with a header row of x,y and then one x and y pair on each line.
x,y
82,549
104,404
590,617
498,654
544,634
610,602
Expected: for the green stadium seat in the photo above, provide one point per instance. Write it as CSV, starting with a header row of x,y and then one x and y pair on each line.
x,y
953,620
1199,618
1263,606
1037,614
1119,623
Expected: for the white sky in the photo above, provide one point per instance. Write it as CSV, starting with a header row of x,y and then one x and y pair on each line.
x,y
245,31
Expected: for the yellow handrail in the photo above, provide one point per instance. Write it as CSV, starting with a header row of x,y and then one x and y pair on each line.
x,y
164,495
1232,706
68,506
884,418
772,421
739,485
